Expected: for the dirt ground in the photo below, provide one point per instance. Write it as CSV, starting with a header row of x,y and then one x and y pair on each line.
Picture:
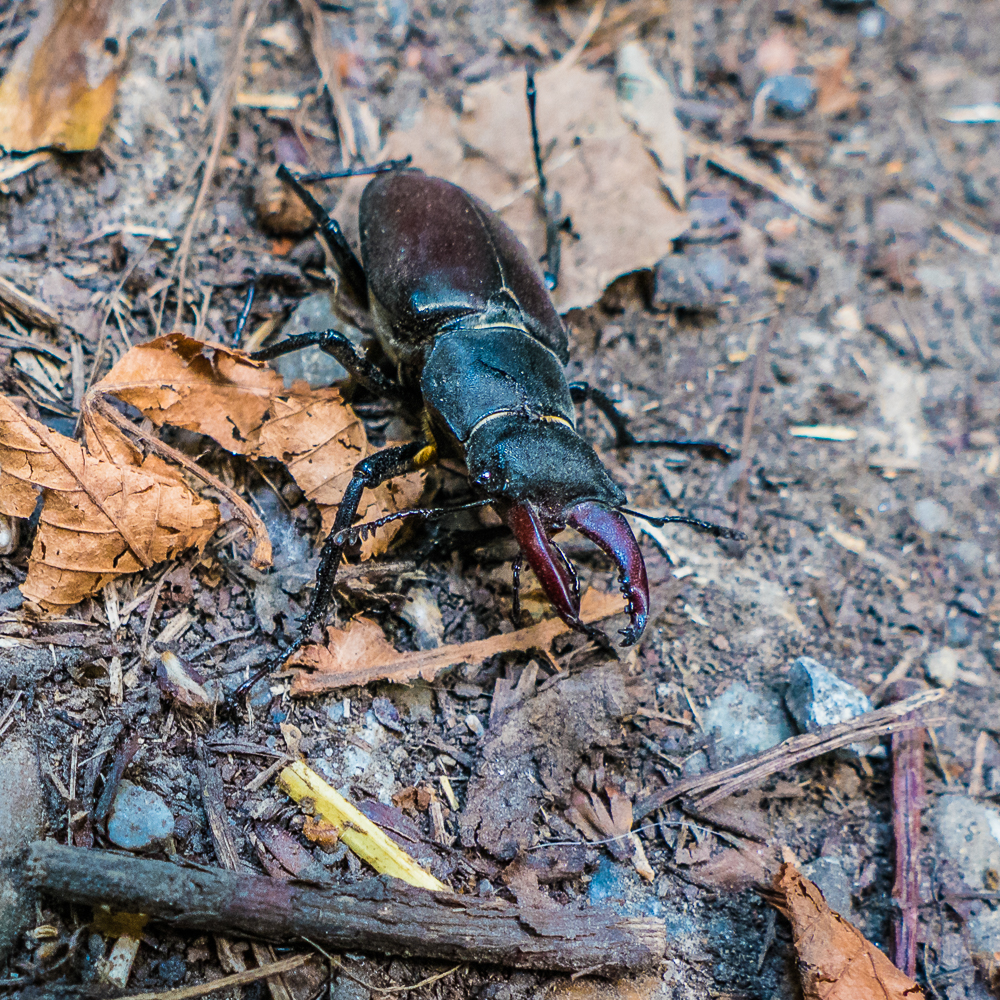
x,y
870,553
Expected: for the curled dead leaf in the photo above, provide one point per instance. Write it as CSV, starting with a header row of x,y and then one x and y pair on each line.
x,y
244,406
835,959
102,517
60,87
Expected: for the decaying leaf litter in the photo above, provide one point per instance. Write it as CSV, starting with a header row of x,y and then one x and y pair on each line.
x,y
858,248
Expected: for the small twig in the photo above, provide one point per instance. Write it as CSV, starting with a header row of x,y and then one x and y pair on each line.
x,y
149,617
267,774
222,115
747,439
238,979
337,962
583,39
7,721
908,792
717,785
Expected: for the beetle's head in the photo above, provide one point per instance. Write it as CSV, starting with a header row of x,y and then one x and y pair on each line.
x,y
541,476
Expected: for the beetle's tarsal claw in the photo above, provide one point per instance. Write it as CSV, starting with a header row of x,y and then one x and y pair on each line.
x,y
524,522
611,532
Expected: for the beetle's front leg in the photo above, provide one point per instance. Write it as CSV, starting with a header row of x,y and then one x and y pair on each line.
x,y
368,474
339,347
624,438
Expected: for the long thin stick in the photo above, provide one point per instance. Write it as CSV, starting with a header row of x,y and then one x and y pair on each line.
x,y
222,116
238,979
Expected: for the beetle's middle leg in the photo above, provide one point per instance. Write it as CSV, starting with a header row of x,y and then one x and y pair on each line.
x,y
624,438
338,346
368,474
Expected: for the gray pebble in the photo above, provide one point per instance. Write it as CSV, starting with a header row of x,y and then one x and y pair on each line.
x,y
930,515
22,820
789,95
139,819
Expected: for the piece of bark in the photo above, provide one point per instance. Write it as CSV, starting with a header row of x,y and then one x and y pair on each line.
x,y
908,795
382,915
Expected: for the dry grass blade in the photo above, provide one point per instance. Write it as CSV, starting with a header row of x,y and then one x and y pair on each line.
x,y
223,111
326,61
226,982
736,162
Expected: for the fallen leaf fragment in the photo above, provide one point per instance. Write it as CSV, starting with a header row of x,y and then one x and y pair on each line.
x,y
181,683
244,406
360,654
101,517
645,100
836,961
832,78
61,85
355,829
608,183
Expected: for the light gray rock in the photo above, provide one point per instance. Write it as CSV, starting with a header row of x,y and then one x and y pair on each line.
x,y
817,697
139,818
968,837
931,515
836,884
22,820
941,666
745,722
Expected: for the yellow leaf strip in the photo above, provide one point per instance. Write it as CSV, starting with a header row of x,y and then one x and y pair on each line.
x,y
356,830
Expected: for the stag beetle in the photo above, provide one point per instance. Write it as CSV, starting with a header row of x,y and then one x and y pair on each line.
x,y
477,348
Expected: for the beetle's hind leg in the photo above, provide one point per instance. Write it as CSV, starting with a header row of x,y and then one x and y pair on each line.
x,y
624,438
338,346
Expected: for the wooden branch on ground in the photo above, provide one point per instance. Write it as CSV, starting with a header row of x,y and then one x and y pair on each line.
x,y
714,786
382,916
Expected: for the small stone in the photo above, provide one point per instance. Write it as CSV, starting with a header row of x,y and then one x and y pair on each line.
x,y
931,515
836,884
970,604
789,95
475,726
696,280
745,722
139,818
957,632
871,22
817,697
941,666
387,713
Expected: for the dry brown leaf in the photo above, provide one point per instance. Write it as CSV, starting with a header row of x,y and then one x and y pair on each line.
x,y
646,100
609,184
360,654
833,78
60,88
245,407
102,517
836,961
